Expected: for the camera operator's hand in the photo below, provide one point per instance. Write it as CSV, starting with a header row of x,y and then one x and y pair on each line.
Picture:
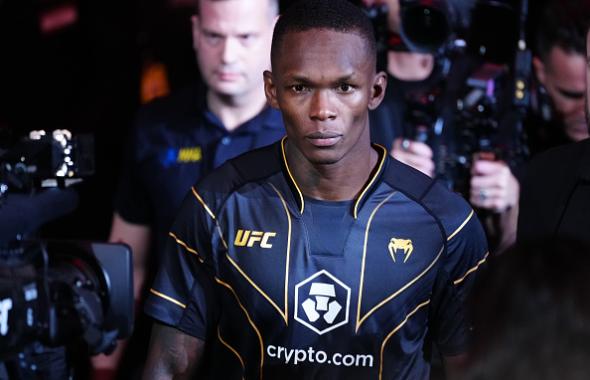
x,y
493,187
414,153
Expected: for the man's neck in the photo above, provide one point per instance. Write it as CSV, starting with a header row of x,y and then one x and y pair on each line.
x,y
234,111
335,182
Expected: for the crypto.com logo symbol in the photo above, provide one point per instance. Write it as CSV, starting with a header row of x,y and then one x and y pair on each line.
x,y
322,302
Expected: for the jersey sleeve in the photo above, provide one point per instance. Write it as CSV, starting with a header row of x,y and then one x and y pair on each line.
x,y
182,293
466,255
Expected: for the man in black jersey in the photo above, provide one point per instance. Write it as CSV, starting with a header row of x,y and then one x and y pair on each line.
x,y
319,256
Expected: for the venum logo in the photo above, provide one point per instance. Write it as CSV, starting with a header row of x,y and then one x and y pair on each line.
x,y
322,302
247,238
404,245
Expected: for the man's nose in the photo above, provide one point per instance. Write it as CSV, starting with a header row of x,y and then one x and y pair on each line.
x,y
229,53
322,108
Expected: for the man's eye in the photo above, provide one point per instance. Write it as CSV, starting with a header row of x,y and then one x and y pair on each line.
x,y
213,39
298,88
345,87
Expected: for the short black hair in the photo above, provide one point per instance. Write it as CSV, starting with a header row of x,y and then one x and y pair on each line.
x,y
337,15
562,23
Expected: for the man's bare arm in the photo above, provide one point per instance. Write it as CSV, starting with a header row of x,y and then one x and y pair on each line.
x,y
172,354
137,236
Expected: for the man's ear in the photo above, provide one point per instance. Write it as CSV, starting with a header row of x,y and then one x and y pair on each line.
x,y
540,70
195,29
378,90
270,90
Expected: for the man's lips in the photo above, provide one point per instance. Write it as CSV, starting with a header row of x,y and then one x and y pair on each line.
x,y
323,139
227,76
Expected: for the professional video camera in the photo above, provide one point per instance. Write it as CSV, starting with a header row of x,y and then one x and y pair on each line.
x,y
476,102
55,293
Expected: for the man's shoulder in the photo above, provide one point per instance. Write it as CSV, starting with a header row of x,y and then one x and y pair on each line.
x,y
552,173
448,208
560,157
175,108
255,165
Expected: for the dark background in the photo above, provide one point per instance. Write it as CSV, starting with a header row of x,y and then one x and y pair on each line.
x,y
85,76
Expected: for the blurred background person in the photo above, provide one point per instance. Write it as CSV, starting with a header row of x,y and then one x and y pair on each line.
x,y
560,68
555,201
427,121
181,137
531,314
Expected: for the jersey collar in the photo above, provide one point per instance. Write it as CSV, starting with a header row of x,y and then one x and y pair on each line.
x,y
365,192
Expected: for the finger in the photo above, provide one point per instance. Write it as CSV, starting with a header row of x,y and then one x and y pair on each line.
x,y
415,147
488,181
422,164
419,148
484,167
489,199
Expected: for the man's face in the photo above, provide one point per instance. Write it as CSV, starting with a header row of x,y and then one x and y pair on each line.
x,y
232,40
564,76
324,83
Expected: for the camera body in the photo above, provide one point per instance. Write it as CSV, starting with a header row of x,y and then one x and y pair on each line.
x,y
55,293
475,100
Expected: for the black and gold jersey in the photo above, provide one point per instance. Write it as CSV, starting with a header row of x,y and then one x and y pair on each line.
x,y
280,286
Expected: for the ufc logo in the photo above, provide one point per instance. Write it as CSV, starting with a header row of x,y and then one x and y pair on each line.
x,y
247,238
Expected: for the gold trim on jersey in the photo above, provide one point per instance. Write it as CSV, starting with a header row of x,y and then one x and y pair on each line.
x,y
362,280
476,267
461,226
229,347
363,192
202,202
282,313
396,329
260,340
185,246
398,292
262,292
167,298
302,206
368,186
286,315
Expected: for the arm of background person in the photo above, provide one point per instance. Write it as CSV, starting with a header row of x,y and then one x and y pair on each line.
x,y
495,188
138,237
172,354
414,153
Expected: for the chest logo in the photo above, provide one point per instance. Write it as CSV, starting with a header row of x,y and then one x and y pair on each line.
x,y
247,238
322,302
400,246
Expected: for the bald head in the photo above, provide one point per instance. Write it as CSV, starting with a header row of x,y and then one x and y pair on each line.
x,y
273,6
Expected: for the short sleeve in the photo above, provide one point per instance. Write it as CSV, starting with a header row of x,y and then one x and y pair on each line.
x,y
182,293
466,255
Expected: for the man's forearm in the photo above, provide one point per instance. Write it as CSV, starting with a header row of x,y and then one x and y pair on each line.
x,y
172,354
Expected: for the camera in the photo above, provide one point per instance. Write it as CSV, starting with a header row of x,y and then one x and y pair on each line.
x,y
429,25
55,293
474,102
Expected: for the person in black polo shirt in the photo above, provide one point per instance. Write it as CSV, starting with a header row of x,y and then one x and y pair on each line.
x,y
319,256
555,199
179,139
